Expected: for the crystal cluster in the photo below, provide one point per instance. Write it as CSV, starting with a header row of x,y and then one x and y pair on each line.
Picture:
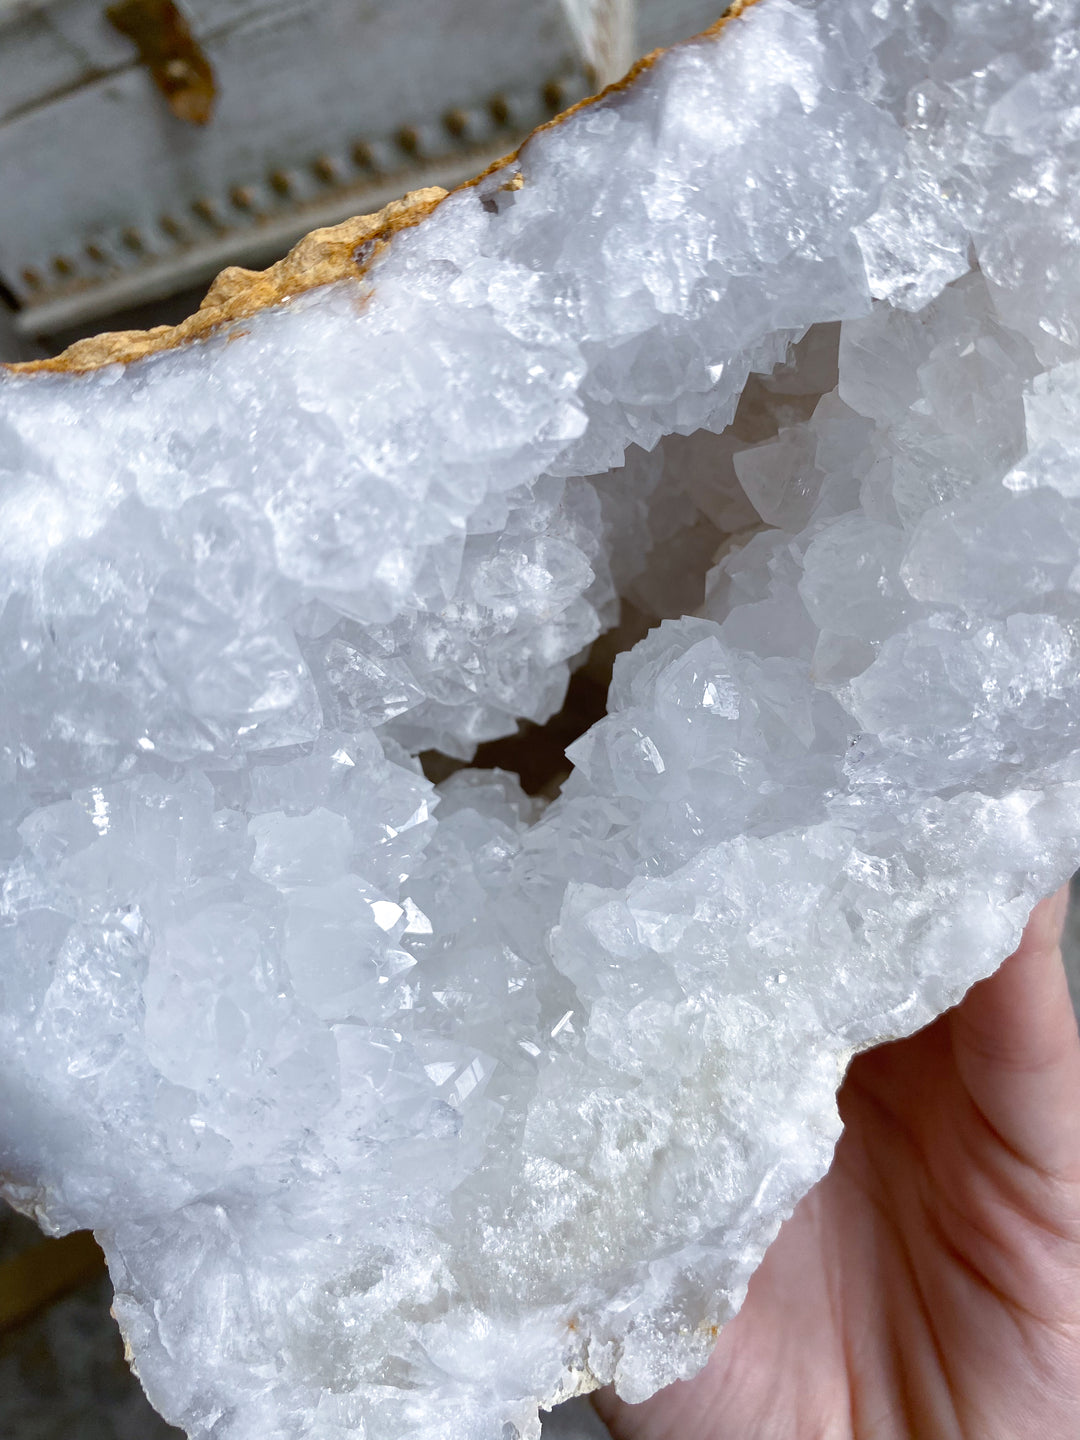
x,y
400,1109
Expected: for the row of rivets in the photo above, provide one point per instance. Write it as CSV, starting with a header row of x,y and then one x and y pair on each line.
x,y
409,141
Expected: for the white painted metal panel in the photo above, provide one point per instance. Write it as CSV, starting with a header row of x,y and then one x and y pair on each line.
x,y
317,103
46,49
665,22
324,108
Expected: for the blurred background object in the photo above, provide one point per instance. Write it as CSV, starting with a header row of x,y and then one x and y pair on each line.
x,y
146,144
1070,943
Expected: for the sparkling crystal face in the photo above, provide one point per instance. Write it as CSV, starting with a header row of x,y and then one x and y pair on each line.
x,y
401,1108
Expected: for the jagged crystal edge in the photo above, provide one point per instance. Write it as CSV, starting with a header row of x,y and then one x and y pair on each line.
x,y
400,1110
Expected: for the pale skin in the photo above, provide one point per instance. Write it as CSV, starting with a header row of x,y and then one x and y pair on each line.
x,y
929,1286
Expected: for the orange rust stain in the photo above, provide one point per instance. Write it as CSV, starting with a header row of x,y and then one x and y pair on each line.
x,y
175,59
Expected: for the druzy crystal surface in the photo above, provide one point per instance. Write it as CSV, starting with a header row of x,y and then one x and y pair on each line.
x,y
399,1109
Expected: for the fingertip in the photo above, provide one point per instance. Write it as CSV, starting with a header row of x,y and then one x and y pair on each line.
x,y
1028,987
1045,925
1016,1045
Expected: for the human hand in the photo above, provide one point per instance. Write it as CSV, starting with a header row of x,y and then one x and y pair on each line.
x,y
929,1286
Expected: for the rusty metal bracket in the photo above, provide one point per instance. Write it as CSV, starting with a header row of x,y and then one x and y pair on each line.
x,y
171,53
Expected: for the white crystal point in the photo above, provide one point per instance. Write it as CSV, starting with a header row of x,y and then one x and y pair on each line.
x,y
402,1110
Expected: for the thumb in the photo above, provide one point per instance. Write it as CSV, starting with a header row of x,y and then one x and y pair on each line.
x,y
1017,1050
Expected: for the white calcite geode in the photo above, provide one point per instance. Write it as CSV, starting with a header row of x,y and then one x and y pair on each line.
x,y
397,1109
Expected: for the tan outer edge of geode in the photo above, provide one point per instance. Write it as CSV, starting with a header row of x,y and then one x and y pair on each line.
x,y
236,294
337,252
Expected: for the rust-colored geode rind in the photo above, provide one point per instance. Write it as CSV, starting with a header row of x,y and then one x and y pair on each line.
x,y
320,258
336,252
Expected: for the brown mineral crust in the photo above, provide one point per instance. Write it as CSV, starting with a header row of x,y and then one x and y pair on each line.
x,y
320,258
337,252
